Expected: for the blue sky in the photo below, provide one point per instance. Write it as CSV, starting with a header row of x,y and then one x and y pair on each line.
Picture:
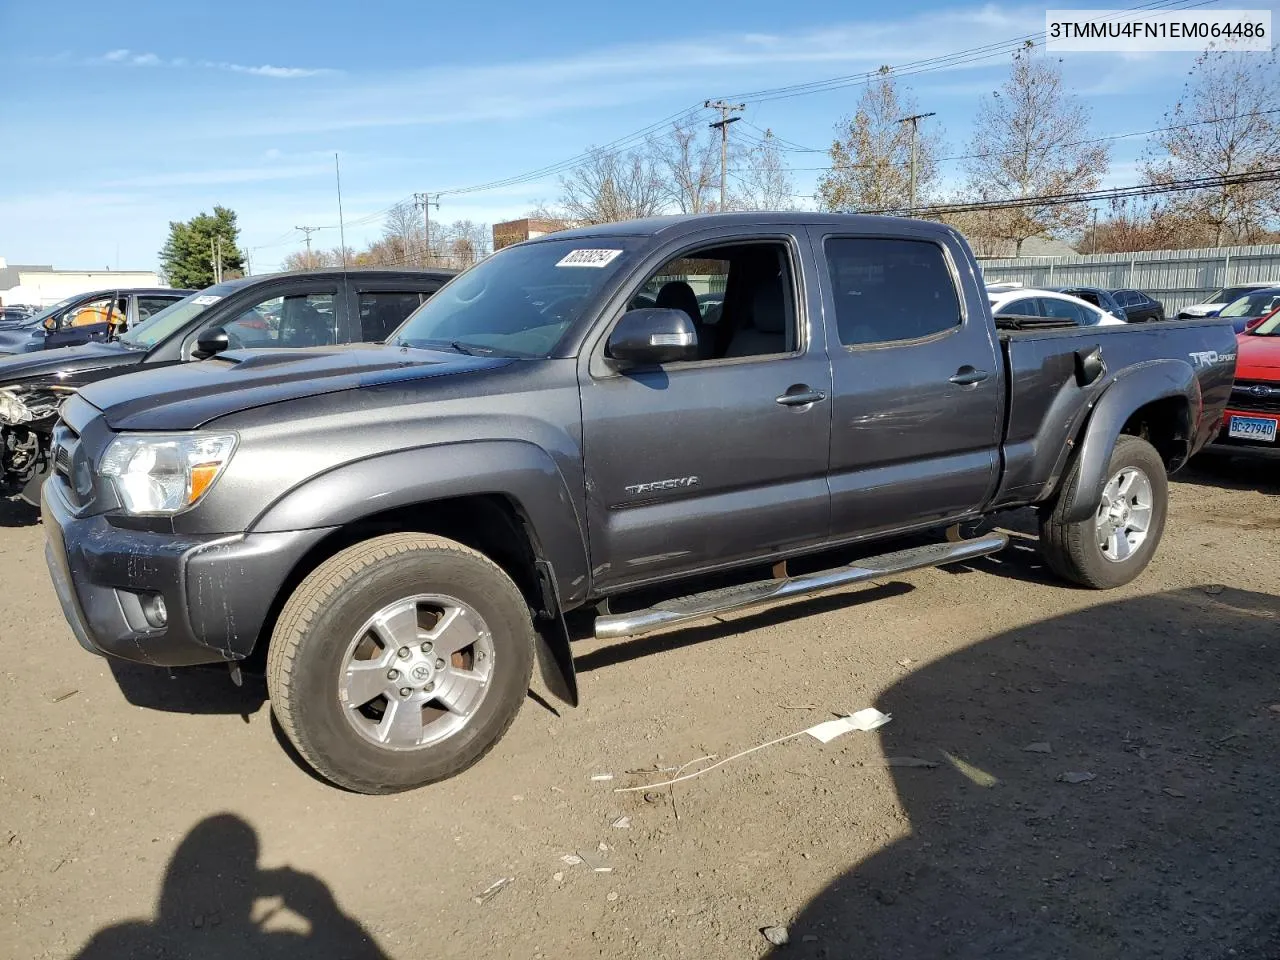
x,y
117,118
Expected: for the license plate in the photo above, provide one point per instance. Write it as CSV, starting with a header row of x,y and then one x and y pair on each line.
x,y
1253,428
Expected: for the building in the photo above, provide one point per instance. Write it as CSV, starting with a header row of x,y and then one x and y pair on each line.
x,y
513,231
41,286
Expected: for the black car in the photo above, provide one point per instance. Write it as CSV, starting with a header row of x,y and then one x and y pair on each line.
x,y
321,308
1138,307
87,317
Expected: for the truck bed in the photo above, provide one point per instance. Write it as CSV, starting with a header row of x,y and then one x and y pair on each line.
x,y
1047,404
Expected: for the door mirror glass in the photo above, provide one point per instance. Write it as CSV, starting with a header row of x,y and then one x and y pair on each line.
x,y
653,335
51,323
210,343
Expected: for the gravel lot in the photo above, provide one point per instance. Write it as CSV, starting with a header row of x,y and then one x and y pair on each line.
x,y
153,814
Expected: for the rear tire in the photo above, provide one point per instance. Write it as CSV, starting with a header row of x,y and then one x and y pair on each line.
x,y
1115,544
358,686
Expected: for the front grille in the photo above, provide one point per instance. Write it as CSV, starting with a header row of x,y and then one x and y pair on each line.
x,y
66,447
1256,395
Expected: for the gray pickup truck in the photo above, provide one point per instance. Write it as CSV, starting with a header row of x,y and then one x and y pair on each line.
x,y
397,532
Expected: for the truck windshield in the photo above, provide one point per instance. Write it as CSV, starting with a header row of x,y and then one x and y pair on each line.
x,y
162,325
520,301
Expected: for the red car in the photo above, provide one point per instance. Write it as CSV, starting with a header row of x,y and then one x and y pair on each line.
x,y
1252,418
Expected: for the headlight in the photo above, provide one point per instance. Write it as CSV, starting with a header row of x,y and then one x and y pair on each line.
x,y
13,410
165,473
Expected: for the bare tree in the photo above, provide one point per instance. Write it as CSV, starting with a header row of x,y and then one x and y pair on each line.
x,y
1028,142
316,259
764,180
871,157
612,186
465,242
402,233
689,163
1223,125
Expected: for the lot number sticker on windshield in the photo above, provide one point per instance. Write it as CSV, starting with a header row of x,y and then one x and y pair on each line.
x,y
206,299
589,258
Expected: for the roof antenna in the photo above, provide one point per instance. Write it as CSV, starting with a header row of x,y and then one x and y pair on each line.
x,y
342,230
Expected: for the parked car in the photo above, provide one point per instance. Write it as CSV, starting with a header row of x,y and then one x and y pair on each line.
x,y
1099,297
1029,302
398,530
1253,413
1220,299
13,315
283,310
1137,307
1249,310
87,317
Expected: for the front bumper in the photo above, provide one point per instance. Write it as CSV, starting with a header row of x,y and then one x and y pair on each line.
x,y
218,591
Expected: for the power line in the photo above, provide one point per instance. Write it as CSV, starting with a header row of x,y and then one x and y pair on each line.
x,y
1074,143
958,58
1090,196
973,54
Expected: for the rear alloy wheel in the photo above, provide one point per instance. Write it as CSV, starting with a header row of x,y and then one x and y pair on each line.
x,y
399,662
1114,545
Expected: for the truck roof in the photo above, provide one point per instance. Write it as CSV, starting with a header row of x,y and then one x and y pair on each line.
x,y
681,223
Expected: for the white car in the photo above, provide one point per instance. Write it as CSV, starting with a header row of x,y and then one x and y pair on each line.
x,y
1222,298
1023,302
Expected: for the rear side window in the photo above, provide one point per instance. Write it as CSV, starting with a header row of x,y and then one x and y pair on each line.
x,y
1026,307
1066,310
149,305
887,290
381,311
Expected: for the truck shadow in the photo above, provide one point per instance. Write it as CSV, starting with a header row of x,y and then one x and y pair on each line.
x,y
1104,787
216,901
16,512
1260,473
195,690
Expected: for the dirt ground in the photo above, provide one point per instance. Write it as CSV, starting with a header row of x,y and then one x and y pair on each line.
x,y
153,814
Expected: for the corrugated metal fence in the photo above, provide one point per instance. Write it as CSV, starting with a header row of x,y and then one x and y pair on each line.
x,y
1175,277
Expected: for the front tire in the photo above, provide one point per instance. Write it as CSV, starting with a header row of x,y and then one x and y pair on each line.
x,y
400,661
1114,545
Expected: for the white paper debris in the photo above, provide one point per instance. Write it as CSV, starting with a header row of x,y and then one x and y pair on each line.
x,y
601,776
572,859
865,720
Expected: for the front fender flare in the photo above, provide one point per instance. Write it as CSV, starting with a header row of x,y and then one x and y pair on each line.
x,y
520,471
1133,388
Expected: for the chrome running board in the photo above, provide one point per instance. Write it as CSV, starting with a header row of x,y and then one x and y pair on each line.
x,y
672,613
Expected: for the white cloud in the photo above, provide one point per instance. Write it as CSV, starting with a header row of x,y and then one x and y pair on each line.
x,y
125,56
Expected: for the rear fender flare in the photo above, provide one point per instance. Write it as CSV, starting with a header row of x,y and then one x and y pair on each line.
x,y
1133,388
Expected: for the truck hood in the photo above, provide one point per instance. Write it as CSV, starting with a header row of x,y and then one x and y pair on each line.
x,y
187,395
1258,358
63,364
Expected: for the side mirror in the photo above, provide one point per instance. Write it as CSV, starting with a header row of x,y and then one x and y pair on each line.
x,y
210,343
653,335
1089,366
50,323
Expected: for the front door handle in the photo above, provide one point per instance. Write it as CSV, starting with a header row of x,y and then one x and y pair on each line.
x,y
800,395
967,376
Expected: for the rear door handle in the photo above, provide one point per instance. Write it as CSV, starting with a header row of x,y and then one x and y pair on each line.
x,y
800,396
967,376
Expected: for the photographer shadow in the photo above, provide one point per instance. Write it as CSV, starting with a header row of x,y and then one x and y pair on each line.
x,y
216,902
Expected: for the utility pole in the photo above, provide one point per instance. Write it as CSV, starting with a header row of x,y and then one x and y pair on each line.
x,y
219,270
424,201
723,125
308,231
911,183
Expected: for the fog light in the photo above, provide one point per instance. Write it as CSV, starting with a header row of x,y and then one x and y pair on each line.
x,y
153,609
